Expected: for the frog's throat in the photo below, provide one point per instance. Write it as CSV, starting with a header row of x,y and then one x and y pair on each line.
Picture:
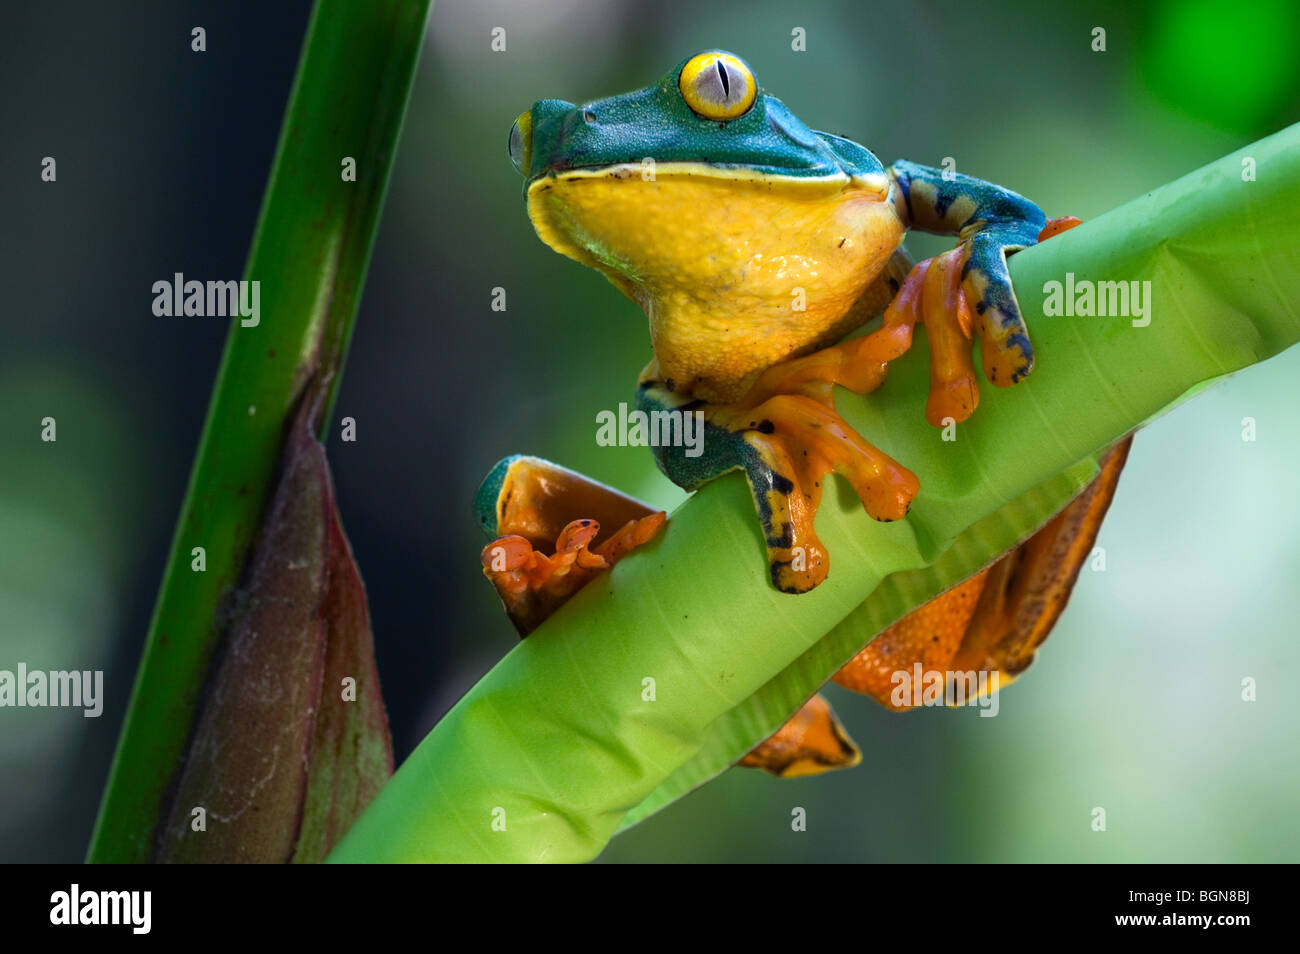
x,y
736,269
575,234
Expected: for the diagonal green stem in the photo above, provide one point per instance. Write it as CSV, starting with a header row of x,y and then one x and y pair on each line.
x,y
310,254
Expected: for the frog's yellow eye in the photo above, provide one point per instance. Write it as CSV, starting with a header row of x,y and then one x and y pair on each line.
x,y
718,86
521,141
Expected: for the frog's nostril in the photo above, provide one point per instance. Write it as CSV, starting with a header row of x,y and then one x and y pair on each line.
x,y
520,142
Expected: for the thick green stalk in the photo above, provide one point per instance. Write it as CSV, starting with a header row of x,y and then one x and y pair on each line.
x,y
310,254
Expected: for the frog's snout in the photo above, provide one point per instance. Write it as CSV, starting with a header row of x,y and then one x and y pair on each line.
x,y
521,133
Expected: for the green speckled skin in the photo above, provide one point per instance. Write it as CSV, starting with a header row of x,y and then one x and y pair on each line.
x,y
487,499
656,121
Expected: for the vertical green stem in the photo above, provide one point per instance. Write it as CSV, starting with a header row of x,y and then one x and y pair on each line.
x,y
310,254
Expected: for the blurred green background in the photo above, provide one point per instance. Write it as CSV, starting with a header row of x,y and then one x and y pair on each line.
x,y
1133,706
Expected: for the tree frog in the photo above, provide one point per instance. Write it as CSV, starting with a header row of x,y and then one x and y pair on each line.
x,y
753,244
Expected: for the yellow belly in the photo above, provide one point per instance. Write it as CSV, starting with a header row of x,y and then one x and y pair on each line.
x,y
735,270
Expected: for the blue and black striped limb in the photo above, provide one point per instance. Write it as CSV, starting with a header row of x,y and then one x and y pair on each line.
x,y
990,222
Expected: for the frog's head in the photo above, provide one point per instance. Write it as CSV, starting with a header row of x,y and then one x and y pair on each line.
x,y
703,198
707,111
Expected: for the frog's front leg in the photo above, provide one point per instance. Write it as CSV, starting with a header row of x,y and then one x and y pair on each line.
x,y
967,290
786,437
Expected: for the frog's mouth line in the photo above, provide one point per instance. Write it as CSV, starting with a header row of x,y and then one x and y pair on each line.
x,y
650,170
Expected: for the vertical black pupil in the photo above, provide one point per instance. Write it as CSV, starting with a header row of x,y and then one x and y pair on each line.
x,y
722,75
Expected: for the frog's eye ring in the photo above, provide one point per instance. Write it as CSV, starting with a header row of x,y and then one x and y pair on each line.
x,y
521,142
718,86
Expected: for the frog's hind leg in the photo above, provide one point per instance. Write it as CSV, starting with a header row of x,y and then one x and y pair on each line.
x,y
988,627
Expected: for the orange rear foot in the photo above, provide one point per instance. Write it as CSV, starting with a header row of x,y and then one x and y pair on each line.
x,y
813,741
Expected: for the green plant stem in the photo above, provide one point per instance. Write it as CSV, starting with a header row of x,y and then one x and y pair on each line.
x,y
310,254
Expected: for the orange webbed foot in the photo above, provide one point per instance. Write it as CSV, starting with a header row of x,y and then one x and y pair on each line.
x,y
533,585
811,742
791,439
959,295
526,503
932,294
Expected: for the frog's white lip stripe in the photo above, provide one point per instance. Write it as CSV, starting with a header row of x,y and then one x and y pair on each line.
x,y
877,183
